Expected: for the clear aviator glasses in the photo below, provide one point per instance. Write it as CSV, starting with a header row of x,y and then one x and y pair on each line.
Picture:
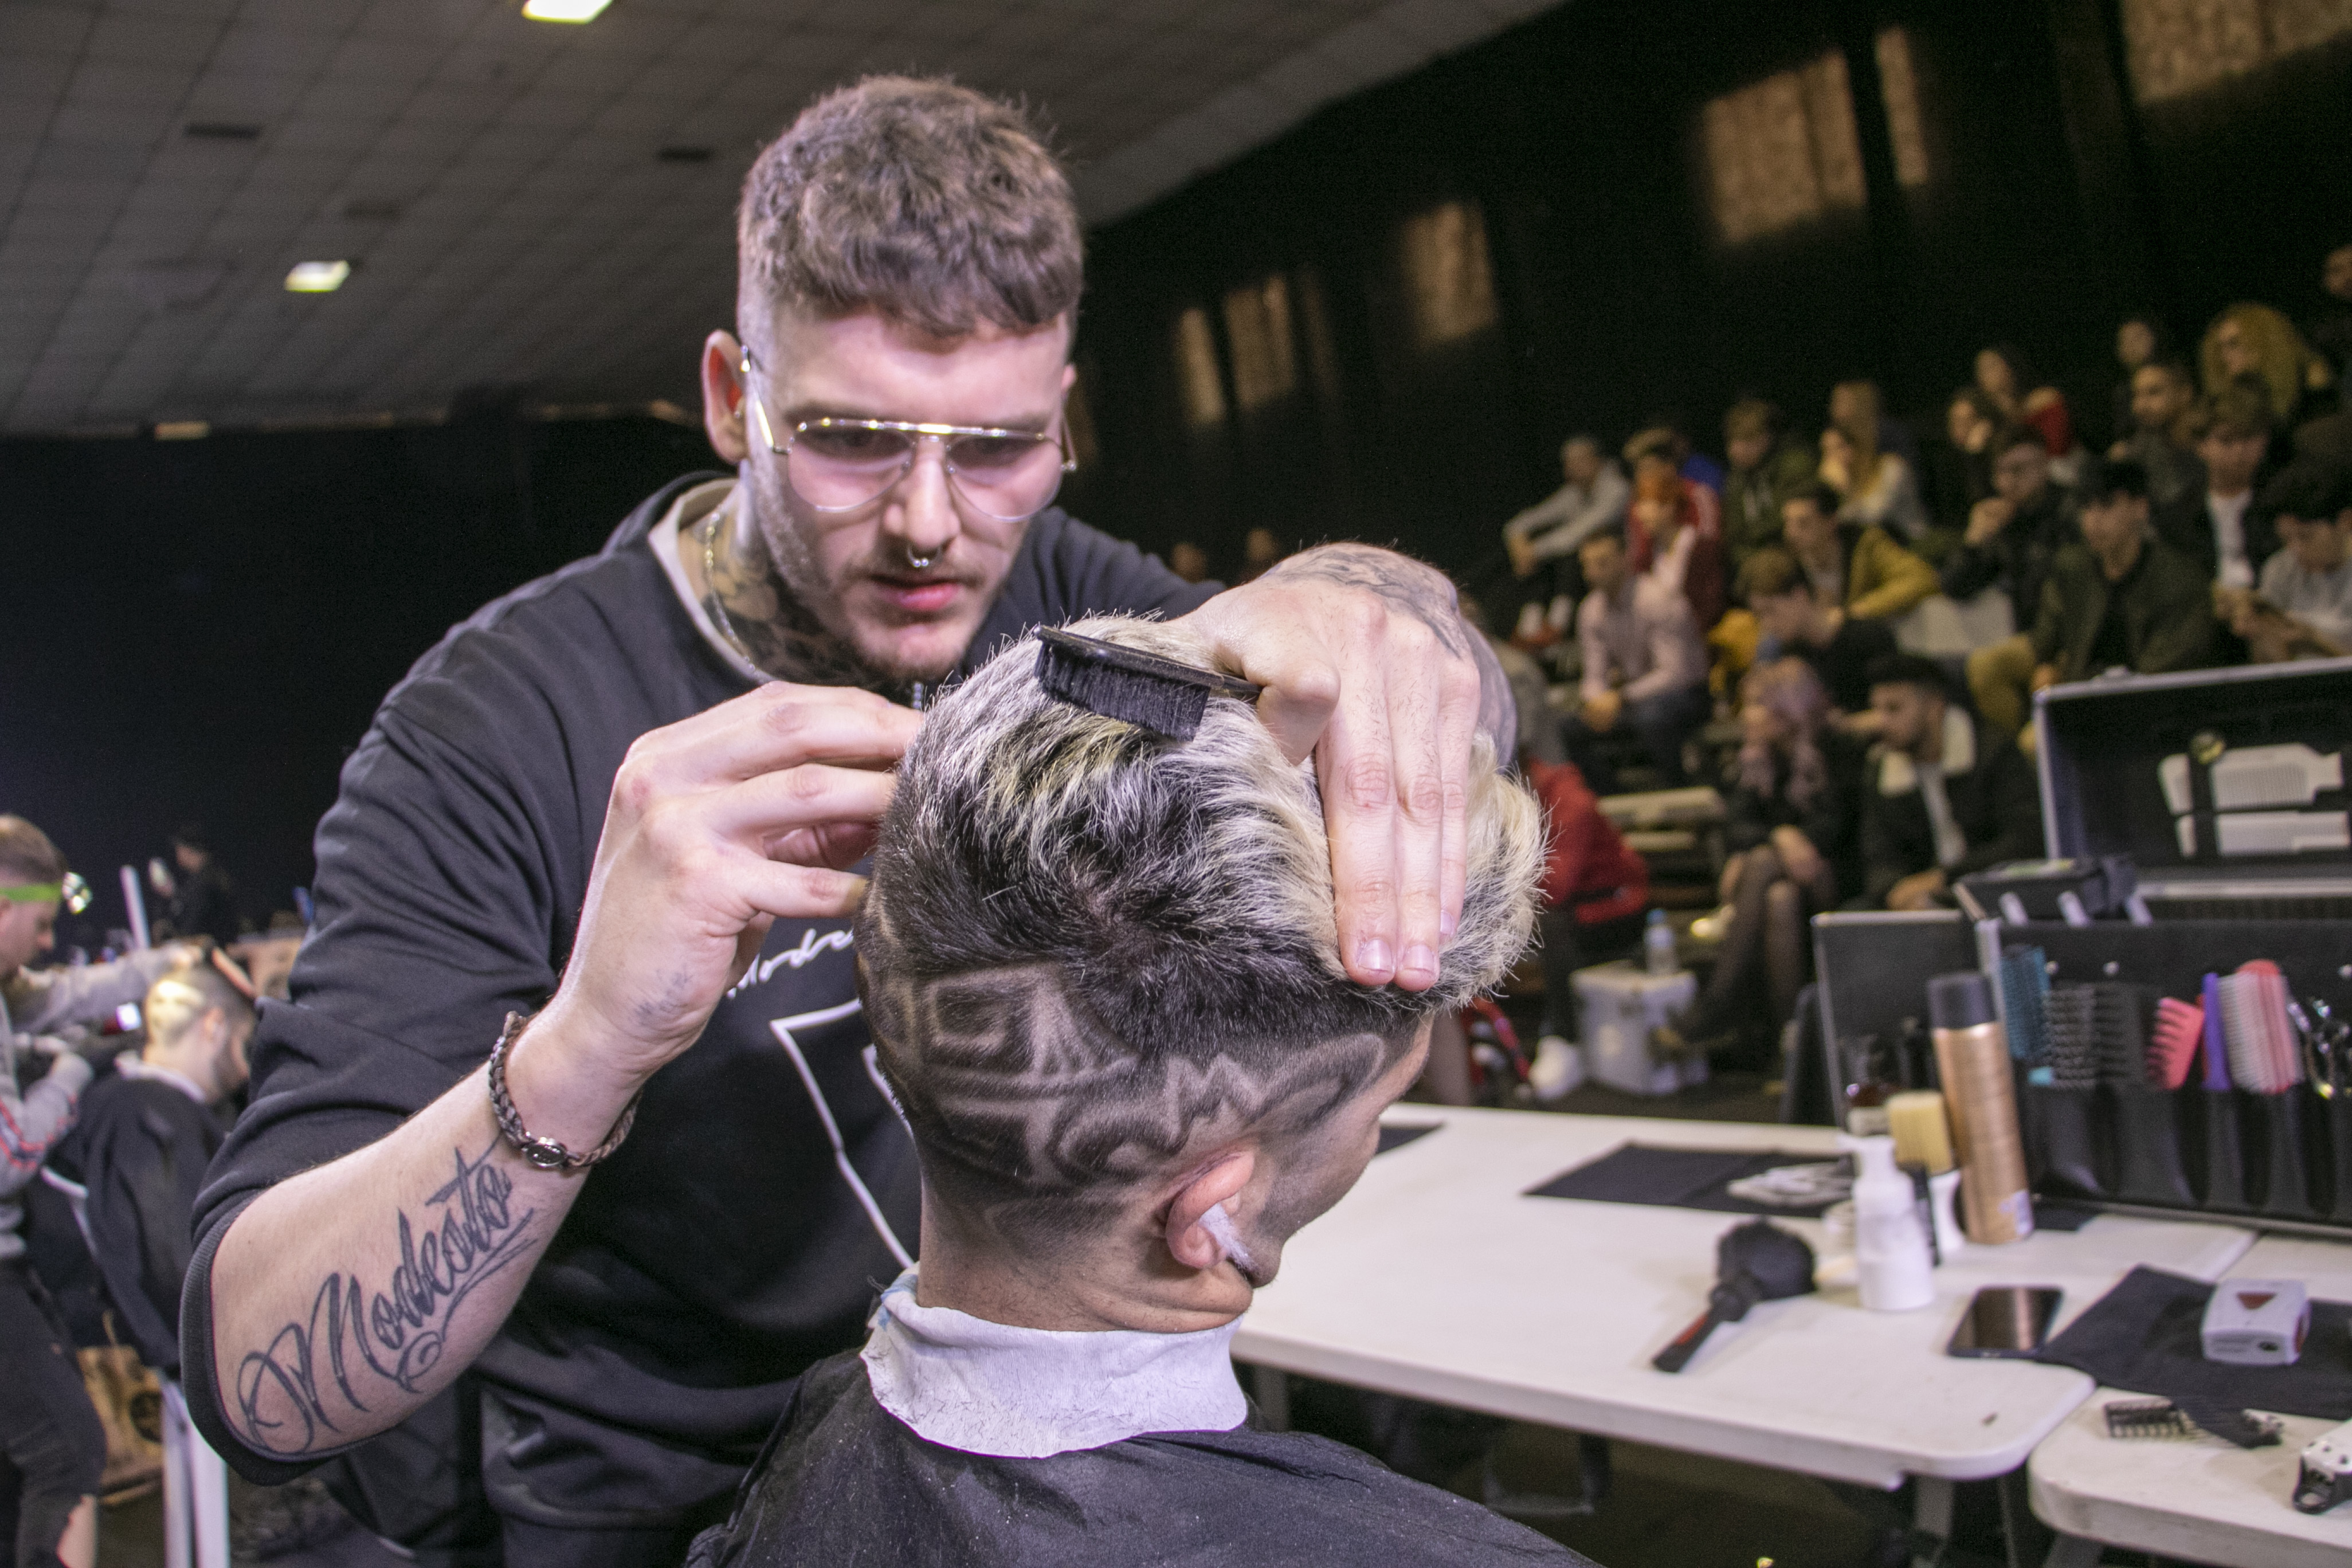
x,y
836,465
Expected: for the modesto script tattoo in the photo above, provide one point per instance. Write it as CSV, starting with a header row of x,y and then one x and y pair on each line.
x,y
397,1333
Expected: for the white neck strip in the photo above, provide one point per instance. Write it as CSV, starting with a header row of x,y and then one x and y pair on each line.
x,y
1026,1393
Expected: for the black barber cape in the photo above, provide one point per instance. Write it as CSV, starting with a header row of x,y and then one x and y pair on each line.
x,y
846,1482
768,1189
140,1146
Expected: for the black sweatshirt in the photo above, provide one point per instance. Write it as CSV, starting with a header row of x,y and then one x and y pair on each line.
x,y
743,1230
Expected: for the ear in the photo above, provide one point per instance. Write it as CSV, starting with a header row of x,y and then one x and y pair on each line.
x,y
723,396
1188,1242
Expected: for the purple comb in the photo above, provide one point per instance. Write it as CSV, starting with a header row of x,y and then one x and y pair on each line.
x,y
2217,1050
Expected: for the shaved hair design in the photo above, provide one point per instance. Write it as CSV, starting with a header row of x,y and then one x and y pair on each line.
x,y
1092,956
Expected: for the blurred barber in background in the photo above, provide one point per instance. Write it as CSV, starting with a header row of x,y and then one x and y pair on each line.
x,y
48,1428
569,1153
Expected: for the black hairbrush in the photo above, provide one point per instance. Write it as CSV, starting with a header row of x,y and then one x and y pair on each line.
x,y
1143,689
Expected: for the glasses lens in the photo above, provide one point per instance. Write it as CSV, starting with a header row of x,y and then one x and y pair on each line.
x,y
837,465
1006,477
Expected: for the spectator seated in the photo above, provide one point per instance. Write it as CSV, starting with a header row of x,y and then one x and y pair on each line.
x,y
2303,606
1943,793
1644,670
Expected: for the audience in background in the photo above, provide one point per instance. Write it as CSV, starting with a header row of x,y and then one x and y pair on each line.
x,y
1674,527
1854,565
2014,534
1188,561
2303,606
2121,599
2138,341
2331,328
2011,385
1943,794
2216,528
1592,496
2164,436
2256,348
1792,835
1763,469
1873,486
1973,428
1797,622
1645,668
1594,893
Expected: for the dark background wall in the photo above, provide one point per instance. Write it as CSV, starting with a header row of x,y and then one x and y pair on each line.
x,y
200,629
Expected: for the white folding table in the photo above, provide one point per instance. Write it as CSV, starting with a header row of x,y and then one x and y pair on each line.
x,y
2201,1499
1437,1279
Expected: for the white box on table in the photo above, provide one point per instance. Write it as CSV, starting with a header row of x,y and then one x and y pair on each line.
x,y
1617,1005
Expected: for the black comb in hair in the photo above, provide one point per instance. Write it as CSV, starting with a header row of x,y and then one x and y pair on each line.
x,y
1143,689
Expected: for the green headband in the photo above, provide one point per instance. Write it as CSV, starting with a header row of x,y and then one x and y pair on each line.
x,y
69,891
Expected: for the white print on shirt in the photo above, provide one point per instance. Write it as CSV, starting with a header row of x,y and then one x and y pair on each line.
x,y
813,944
784,1028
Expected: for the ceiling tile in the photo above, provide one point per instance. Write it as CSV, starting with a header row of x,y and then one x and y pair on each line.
x,y
253,97
106,81
27,30
149,40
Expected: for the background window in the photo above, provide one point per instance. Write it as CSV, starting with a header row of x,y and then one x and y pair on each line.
x,y
1783,152
1257,326
1196,370
1446,276
2179,46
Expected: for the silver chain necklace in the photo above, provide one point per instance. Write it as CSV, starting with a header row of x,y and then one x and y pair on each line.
x,y
718,598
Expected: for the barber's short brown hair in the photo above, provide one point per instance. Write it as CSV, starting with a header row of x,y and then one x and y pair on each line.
x,y
27,855
934,205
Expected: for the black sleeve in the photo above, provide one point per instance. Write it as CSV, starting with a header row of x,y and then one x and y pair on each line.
x,y
1883,864
1748,818
1971,569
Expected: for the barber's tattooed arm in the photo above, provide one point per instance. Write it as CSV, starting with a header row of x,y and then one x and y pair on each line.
x,y
1429,597
297,1393
344,1298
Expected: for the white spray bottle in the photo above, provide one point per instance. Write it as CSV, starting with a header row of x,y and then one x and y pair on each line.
x,y
1890,1245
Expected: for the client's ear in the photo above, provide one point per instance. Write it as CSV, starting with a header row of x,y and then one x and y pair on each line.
x,y
1189,1241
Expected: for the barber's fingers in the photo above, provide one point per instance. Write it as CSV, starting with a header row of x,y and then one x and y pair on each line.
x,y
772,805
837,845
1287,655
1429,739
782,891
1461,695
776,726
1356,766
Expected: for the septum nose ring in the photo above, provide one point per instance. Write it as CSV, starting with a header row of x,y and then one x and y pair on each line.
x,y
922,562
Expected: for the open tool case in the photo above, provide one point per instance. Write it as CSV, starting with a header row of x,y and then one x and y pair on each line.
x,y
2226,787
2227,791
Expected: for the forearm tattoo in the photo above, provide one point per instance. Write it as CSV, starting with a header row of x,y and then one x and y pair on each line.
x,y
1428,595
288,1394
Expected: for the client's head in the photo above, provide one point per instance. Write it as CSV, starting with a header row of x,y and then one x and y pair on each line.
x,y
1102,973
197,1026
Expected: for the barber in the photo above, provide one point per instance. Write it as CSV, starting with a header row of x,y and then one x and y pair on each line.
x,y
625,802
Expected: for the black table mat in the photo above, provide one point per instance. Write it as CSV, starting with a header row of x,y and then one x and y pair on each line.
x,y
2143,1335
1397,1137
1678,1178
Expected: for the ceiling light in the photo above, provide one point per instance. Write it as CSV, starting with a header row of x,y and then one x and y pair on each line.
x,y
563,10
317,276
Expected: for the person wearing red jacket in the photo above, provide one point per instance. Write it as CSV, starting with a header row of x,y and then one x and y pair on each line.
x,y
1593,894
